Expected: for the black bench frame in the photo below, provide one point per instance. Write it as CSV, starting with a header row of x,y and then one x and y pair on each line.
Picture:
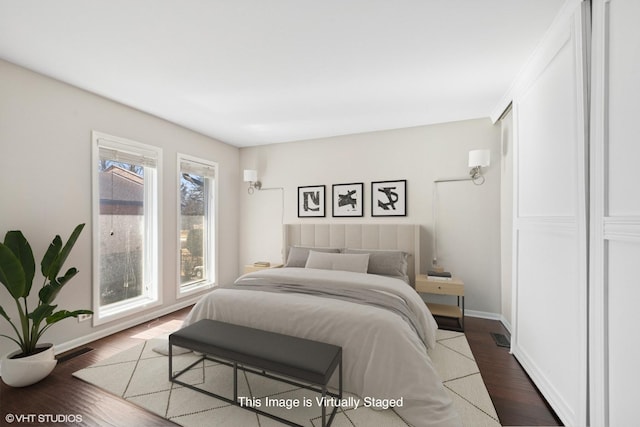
x,y
211,355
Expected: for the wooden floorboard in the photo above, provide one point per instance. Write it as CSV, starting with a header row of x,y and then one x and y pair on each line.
x,y
516,399
61,394
514,396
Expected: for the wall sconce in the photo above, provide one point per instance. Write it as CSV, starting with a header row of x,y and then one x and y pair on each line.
x,y
251,176
477,160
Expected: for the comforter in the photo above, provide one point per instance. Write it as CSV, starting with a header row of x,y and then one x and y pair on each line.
x,y
384,348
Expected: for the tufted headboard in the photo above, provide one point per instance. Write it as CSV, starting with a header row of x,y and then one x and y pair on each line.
x,y
404,237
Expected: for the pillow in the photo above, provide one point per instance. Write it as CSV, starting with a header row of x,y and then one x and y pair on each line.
x,y
384,262
357,263
298,255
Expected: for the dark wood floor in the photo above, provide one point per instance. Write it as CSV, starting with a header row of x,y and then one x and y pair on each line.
x,y
516,400
62,394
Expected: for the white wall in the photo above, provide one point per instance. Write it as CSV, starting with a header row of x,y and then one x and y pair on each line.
x,y
45,182
506,215
469,218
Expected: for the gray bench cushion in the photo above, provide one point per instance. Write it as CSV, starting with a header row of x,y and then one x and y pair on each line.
x,y
295,357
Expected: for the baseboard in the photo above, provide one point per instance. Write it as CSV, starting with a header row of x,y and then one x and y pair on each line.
x,y
70,345
489,316
482,314
505,323
553,397
86,339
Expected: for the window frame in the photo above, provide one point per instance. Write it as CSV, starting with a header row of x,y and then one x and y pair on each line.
x,y
211,250
152,296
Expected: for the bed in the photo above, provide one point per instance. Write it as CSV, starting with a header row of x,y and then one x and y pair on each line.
x,y
379,320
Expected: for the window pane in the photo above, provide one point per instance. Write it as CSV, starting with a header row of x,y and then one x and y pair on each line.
x,y
193,228
121,231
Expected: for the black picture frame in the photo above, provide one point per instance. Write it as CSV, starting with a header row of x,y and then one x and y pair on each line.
x,y
348,200
311,201
389,198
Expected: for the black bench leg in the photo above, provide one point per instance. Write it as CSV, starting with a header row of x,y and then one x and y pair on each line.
x,y
340,379
235,382
324,406
170,362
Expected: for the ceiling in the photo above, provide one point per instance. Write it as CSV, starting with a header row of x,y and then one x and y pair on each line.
x,y
251,72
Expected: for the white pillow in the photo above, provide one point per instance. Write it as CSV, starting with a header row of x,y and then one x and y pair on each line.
x,y
358,263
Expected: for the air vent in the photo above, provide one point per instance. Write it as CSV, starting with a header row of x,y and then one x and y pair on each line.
x,y
73,354
501,340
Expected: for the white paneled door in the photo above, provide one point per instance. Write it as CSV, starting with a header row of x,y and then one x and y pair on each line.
x,y
615,214
550,247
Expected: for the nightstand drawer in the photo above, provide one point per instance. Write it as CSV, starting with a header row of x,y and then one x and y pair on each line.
x,y
443,287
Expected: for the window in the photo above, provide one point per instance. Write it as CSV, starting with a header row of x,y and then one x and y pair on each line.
x,y
196,223
125,226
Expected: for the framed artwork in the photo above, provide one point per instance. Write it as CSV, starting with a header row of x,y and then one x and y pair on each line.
x,y
347,199
311,201
389,198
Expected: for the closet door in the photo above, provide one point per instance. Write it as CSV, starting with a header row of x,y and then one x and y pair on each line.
x,y
615,214
549,336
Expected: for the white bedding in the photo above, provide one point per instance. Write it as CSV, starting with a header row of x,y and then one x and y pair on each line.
x,y
383,355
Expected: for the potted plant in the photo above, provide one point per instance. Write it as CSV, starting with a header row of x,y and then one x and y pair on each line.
x,y
33,362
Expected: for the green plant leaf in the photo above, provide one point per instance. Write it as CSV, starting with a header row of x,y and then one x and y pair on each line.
x,y
4,314
58,262
11,272
41,312
20,247
46,294
52,253
49,292
63,314
67,276
17,270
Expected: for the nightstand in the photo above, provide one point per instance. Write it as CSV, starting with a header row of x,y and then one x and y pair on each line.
x,y
454,287
250,268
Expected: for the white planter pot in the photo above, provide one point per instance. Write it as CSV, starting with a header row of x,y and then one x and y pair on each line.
x,y
28,370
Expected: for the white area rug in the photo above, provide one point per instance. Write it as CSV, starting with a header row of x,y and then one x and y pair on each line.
x,y
140,376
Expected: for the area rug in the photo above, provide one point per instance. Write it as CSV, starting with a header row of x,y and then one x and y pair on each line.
x,y
140,376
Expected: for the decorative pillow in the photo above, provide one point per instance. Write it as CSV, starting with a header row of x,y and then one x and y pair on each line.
x,y
298,255
385,262
357,263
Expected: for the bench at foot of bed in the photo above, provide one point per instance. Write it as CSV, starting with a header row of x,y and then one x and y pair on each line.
x,y
264,353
